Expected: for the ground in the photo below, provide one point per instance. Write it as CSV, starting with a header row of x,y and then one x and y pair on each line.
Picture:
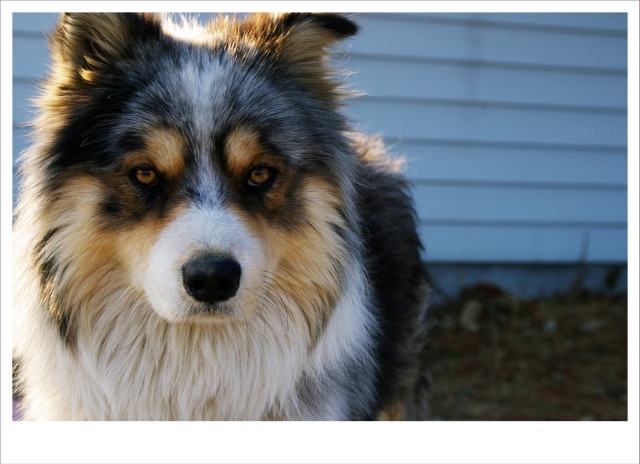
x,y
495,357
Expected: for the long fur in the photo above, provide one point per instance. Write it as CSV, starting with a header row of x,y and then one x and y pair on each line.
x,y
146,144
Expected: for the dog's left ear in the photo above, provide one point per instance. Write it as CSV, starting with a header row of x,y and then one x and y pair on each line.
x,y
301,42
84,44
309,33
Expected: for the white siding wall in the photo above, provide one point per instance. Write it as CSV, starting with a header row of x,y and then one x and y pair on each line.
x,y
514,126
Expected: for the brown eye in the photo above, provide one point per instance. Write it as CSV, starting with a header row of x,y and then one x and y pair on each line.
x,y
260,177
146,176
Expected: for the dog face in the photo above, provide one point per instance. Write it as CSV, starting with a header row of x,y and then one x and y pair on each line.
x,y
206,167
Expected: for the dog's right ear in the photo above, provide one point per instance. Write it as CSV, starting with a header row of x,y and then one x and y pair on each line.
x,y
83,44
300,42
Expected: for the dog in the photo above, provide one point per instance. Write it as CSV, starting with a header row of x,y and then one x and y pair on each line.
x,y
201,234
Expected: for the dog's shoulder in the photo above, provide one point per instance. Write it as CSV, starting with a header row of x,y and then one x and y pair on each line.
x,y
399,279
387,211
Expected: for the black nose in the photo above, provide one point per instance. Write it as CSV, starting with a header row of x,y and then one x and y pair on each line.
x,y
211,278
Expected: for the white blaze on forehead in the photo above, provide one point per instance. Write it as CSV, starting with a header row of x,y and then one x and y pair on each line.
x,y
202,90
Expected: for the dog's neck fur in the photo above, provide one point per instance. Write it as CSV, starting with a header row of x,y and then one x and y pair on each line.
x,y
143,367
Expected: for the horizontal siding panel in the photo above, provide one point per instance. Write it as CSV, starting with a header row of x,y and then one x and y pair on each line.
x,y
23,109
35,23
401,78
409,119
494,244
30,57
509,164
463,42
515,205
20,142
576,22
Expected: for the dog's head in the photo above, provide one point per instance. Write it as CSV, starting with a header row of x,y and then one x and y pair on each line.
x,y
206,163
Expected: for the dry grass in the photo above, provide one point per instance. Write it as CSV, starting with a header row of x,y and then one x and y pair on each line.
x,y
494,357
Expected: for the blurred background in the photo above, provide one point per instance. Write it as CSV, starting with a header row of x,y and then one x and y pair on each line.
x,y
514,127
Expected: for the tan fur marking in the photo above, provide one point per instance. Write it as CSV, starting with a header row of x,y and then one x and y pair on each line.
x,y
133,245
242,147
393,412
308,259
105,259
167,147
163,148
82,249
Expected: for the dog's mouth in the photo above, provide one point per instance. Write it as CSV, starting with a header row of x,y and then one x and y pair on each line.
x,y
209,313
203,263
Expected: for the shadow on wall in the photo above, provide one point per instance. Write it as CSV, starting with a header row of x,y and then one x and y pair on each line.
x,y
527,281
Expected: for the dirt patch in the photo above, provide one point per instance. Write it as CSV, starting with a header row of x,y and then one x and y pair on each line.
x,y
494,357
